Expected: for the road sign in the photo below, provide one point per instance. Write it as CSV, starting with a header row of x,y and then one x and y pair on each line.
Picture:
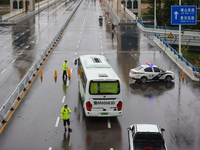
x,y
184,15
170,35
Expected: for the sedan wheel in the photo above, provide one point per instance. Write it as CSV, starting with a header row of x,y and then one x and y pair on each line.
x,y
168,78
143,79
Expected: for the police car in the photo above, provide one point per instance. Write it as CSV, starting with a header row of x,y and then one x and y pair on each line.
x,y
150,72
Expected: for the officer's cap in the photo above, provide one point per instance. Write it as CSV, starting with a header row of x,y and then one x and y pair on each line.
x,y
65,105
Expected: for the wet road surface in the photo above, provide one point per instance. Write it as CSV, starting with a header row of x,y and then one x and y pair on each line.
x,y
23,43
175,106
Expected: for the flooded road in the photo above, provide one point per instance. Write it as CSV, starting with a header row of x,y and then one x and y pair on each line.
x,y
175,106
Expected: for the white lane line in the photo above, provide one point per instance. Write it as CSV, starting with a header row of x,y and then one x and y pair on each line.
x,y
101,47
81,33
63,100
76,53
13,61
109,124
77,46
111,148
50,148
79,36
102,53
79,41
21,53
3,70
100,37
4,47
100,41
57,121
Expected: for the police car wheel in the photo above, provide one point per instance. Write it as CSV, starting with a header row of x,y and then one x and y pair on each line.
x,y
143,80
168,78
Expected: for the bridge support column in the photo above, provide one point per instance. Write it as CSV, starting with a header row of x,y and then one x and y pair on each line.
x,y
118,5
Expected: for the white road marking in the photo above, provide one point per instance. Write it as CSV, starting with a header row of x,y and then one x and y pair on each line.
x,y
109,124
81,33
79,41
102,53
111,148
79,36
76,53
50,148
100,41
57,121
13,61
100,37
77,46
21,53
3,70
4,47
101,47
63,100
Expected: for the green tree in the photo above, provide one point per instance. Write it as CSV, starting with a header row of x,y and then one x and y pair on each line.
x,y
150,11
4,2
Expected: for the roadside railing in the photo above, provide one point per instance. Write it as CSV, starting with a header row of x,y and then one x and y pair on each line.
x,y
196,70
21,88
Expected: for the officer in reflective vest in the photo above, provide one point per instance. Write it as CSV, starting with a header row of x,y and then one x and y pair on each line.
x,y
65,111
64,68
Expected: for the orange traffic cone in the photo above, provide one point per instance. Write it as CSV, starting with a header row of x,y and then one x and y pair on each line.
x,y
55,74
69,73
41,74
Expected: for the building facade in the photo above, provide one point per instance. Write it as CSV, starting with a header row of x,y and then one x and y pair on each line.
x,y
134,6
28,5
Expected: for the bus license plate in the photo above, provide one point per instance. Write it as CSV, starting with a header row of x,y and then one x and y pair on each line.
x,y
104,113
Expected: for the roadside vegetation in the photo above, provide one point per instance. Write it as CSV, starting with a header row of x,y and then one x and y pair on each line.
x,y
163,11
192,56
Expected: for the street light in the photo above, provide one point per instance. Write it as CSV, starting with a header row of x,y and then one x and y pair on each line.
x,y
155,14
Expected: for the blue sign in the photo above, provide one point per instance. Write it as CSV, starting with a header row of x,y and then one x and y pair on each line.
x,y
184,15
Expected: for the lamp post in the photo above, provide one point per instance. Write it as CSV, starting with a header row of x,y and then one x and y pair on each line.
x,y
155,14
180,33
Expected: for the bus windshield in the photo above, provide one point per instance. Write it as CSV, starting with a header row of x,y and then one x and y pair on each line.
x,y
104,87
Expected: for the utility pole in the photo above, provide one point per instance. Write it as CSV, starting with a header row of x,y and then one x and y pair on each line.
x,y
180,33
155,14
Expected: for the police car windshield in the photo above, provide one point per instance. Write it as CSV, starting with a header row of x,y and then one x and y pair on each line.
x,y
138,68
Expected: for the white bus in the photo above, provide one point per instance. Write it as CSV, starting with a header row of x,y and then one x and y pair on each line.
x,y
99,87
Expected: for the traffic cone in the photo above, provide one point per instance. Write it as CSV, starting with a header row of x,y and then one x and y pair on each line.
x,y
55,74
69,73
183,76
41,74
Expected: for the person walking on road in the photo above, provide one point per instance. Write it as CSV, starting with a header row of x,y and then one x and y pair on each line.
x,y
65,111
64,68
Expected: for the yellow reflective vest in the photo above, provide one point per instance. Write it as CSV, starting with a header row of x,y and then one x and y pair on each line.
x,y
65,113
64,66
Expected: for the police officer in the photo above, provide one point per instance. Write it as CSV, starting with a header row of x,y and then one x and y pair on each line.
x,y
65,111
64,68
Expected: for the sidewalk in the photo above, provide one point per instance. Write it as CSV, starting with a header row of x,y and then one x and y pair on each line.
x,y
122,16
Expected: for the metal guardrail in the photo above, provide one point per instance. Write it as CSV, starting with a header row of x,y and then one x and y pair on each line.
x,y
159,27
179,56
21,88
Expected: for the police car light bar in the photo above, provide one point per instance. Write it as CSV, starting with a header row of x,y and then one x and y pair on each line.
x,y
150,65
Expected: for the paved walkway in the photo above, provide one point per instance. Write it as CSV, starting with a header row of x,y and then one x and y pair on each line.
x,y
123,17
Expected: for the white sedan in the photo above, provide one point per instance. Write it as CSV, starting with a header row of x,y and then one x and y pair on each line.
x,y
150,72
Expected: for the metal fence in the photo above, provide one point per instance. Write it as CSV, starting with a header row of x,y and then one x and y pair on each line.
x,y
16,95
195,69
